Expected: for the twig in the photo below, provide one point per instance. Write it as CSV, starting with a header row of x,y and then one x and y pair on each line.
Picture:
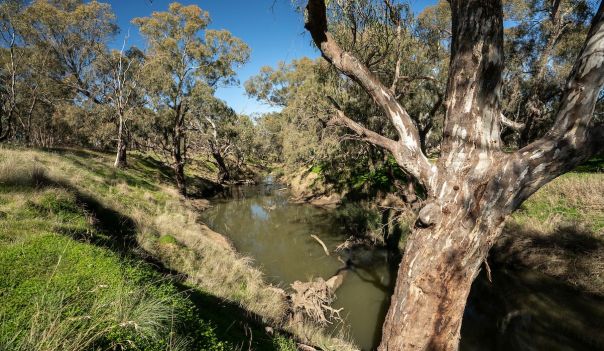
x,y
486,265
320,242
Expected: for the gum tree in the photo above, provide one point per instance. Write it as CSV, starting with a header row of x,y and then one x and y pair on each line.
x,y
184,60
474,185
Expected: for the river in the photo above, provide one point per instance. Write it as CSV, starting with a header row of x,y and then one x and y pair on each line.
x,y
518,310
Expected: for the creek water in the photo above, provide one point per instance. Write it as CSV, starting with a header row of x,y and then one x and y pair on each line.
x,y
518,310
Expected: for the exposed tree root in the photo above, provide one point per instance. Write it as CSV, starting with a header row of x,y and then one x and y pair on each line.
x,y
312,300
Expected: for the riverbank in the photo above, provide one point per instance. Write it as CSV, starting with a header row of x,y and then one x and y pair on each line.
x,y
558,231
58,198
299,245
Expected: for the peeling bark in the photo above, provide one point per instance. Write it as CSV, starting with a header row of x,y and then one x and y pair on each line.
x,y
473,186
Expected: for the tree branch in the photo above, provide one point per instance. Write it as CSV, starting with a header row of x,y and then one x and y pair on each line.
x,y
365,134
574,137
510,124
408,150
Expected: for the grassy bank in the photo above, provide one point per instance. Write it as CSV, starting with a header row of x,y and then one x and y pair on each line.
x,y
560,230
77,234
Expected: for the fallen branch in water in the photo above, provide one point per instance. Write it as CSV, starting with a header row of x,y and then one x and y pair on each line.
x,y
320,242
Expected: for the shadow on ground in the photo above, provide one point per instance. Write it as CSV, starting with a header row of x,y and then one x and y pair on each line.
x,y
117,232
570,253
141,169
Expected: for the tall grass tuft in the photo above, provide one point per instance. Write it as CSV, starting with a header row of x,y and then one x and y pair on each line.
x,y
117,318
21,171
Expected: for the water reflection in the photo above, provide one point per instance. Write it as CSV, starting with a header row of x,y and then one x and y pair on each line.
x,y
520,310
258,212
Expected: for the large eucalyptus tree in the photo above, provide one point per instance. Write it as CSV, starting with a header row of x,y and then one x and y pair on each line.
x,y
474,185
185,59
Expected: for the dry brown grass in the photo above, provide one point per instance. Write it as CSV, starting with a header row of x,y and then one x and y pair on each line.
x,y
560,231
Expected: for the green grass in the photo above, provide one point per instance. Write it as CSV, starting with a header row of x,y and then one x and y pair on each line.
x,y
84,252
571,199
559,230
59,293
168,240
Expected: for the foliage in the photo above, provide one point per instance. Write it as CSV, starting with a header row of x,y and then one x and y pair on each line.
x,y
185,63
397,47
62,85
541,48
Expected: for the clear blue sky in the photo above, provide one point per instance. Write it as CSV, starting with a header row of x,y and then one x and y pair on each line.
x,y
272,28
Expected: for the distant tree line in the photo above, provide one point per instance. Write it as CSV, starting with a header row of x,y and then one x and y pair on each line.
x,y
61,83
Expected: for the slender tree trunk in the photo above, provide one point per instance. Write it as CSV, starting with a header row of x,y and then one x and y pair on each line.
x,y
179,173
7,133
122,145
223,171
179,163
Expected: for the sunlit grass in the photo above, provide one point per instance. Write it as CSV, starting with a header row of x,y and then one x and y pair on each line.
x,y
134,213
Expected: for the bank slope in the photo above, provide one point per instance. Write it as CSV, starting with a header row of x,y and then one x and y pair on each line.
x,y
97,258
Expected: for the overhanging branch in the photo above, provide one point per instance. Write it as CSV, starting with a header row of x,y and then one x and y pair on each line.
x,y
365,134
407,150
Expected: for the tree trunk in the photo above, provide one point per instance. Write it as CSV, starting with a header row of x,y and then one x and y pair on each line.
x,y
433,283
474,185
179,164
4,136
223,171
122,146
179,174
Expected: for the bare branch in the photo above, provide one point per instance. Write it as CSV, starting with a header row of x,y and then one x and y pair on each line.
x,y
364,134
320,242
509,123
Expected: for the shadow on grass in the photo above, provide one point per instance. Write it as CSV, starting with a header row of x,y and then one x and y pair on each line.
x,y
232,323
593,165
526,310
117,232
142,171
570,253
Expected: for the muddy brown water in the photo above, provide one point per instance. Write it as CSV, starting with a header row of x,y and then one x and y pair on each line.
x,y
518,310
